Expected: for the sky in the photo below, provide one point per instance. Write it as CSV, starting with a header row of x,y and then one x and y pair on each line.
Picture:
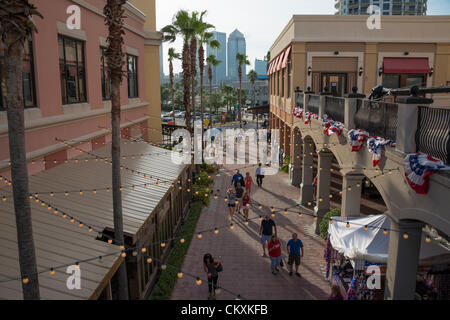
x,y
261,21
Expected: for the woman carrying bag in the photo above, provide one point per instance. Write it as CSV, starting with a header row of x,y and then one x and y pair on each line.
x,y
212,268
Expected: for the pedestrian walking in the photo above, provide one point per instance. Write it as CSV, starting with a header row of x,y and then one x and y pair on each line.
x,y
231,200
239,194
335,293
248,182
274,247
295,250
246,204
266,231
237,178
315,188
212,268
259,175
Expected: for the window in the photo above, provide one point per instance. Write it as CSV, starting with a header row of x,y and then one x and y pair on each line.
x,y
394,81
72,68
106,78
278,83
282,81
132,76
29,97
289,79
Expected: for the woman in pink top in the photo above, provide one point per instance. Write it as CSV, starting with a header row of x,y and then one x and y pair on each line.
x,y
248,182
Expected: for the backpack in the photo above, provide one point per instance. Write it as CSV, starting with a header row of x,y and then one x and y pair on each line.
x,y
219,268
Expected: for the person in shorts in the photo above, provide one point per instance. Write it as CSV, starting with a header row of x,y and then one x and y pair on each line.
x,y
266,231
239,195
231,200
295,250
246,204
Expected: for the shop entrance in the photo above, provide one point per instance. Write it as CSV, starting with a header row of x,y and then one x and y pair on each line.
x,y
335,82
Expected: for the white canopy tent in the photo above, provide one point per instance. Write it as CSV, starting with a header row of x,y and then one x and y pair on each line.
x,y
355,243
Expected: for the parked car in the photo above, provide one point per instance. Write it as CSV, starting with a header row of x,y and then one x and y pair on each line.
x,y
167,119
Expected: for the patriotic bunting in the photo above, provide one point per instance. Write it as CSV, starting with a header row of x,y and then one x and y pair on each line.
x,y
309,116
357,138
330,126
418,169
298,112
375,145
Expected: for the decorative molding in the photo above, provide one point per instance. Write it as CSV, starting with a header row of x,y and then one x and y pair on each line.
x,y
132,51
62,29
47,122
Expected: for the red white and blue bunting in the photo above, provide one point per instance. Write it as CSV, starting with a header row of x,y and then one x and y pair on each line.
x,y
330,126
374,145
298,112
418,169
357,138
309,116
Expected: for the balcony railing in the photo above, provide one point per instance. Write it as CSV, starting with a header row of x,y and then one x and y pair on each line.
x,y
300,100
313,104
433,132
335,108
377,118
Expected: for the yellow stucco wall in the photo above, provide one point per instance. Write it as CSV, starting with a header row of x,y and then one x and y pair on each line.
x,y
370,68
442,70
152,72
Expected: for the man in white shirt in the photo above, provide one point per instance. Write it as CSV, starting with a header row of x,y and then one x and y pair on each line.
x,y
259,175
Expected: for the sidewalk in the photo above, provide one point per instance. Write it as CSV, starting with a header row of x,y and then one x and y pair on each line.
x,y
245,271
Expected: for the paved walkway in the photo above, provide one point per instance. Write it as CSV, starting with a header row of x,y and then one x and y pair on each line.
x,y
245,271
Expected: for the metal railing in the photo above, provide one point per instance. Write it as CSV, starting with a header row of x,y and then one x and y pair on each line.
x,y
313,104
335,108
433,132
300,100
378,118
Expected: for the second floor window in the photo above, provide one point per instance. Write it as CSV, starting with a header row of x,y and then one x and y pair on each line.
x,y
132,75
106,78
283,72
29,100
72,69
289,77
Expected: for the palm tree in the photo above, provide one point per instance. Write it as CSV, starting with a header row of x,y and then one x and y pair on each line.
x,y
16,27
182,26
252,76
212,63
267,59
172,56
196,22
241,60
228,91
114,18
205,37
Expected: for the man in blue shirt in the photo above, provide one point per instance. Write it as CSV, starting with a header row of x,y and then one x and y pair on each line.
x,y
237,178
294,246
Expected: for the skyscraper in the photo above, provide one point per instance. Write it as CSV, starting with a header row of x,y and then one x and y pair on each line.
x,y
219,72
261,67
236,44
387,7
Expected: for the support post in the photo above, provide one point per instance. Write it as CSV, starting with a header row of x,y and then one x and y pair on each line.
x,y
307,188
351,195
323,187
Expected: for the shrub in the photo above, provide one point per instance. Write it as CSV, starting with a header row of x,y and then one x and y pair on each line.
x,y
201,193
285,165
203,179
208,168
166,282
325,222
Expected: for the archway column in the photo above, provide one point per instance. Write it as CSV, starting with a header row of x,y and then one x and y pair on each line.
x,y
351,195
296,169
403,260
323,186
306,187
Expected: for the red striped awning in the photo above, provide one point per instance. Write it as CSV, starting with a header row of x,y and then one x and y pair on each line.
x,y
280,61
271,67
286,56
406,65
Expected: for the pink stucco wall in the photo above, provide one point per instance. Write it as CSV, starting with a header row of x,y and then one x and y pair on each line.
x,y
47,75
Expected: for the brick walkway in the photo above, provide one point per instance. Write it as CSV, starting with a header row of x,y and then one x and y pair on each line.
x,y
246,272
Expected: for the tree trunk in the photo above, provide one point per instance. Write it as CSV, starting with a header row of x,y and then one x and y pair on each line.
x,y
210,92
172,91
193,74
240,95
14,54
201,56
114,17
187,84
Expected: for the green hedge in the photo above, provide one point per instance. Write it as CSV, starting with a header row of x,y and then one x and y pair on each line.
x,y
285,165
203,179
325,222
208,168
166,282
